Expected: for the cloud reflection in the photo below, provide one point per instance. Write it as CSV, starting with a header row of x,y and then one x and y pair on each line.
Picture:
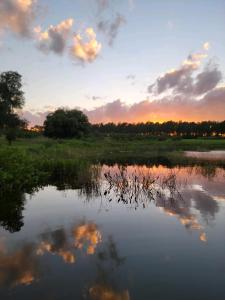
x,y
62,243
101,292
19,267
185,193
87,234
23,266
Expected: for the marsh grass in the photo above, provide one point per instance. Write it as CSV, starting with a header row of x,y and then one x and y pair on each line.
x,y
30,163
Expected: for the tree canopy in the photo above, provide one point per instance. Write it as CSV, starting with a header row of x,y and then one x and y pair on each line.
x,y
11,98
171,128
65,123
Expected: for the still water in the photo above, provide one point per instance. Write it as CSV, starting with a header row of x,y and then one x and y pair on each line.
x,y
133,232
207,155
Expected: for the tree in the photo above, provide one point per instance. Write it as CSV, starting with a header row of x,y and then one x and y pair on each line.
x,y
66,124
11,98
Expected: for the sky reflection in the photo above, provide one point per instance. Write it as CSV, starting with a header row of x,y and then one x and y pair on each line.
x,y
68,243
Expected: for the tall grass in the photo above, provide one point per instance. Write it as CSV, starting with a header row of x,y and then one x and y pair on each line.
x,y
35,162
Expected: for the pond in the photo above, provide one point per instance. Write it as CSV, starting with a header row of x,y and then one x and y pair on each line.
x,y
122,232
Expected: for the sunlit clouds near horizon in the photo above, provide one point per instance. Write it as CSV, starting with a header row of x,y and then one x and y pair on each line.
x,y
191,92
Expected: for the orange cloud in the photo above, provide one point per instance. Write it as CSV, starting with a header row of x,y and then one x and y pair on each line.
x,y
17,16
210,107
86,51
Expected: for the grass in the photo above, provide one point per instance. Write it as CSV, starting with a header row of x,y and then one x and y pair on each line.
x,y
29,163
103,148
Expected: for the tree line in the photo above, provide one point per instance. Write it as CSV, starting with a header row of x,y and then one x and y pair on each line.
x,y
65,123
170,128
73,123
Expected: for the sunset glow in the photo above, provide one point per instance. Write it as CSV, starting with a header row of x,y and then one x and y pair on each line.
x,y
97,56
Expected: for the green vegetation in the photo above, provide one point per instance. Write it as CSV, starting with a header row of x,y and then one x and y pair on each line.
x,y
66,124
11,98
96,149
32,160
179,129
29,164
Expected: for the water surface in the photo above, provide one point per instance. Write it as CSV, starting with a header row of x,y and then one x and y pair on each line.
x,y
131,232
209,155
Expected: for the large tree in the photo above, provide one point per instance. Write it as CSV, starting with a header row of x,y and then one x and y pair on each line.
x,y
65,123
11,98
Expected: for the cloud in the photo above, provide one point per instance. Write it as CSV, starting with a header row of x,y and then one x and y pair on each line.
x,y
55,38
109,20
179,94
111,27
206,46
209,107
207,80
130,76
179,79
94,98
17,16
35,118
184,81
102,4
86,50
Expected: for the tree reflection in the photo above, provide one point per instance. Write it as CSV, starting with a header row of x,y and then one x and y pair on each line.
x,y
175,190
83,176
11,208
138,188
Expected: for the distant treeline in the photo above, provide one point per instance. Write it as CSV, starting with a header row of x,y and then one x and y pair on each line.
x,y
64,123
171,128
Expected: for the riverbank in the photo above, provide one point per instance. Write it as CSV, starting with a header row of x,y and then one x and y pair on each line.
x,y
29,163
102,148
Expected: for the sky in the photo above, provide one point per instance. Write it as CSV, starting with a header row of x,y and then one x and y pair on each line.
x,y
117,60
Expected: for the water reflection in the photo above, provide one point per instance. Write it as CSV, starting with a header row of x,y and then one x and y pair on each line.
x,y
22,266
146,214
19,267
60,242
11,208
180,193
207,155
190,194
108,262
